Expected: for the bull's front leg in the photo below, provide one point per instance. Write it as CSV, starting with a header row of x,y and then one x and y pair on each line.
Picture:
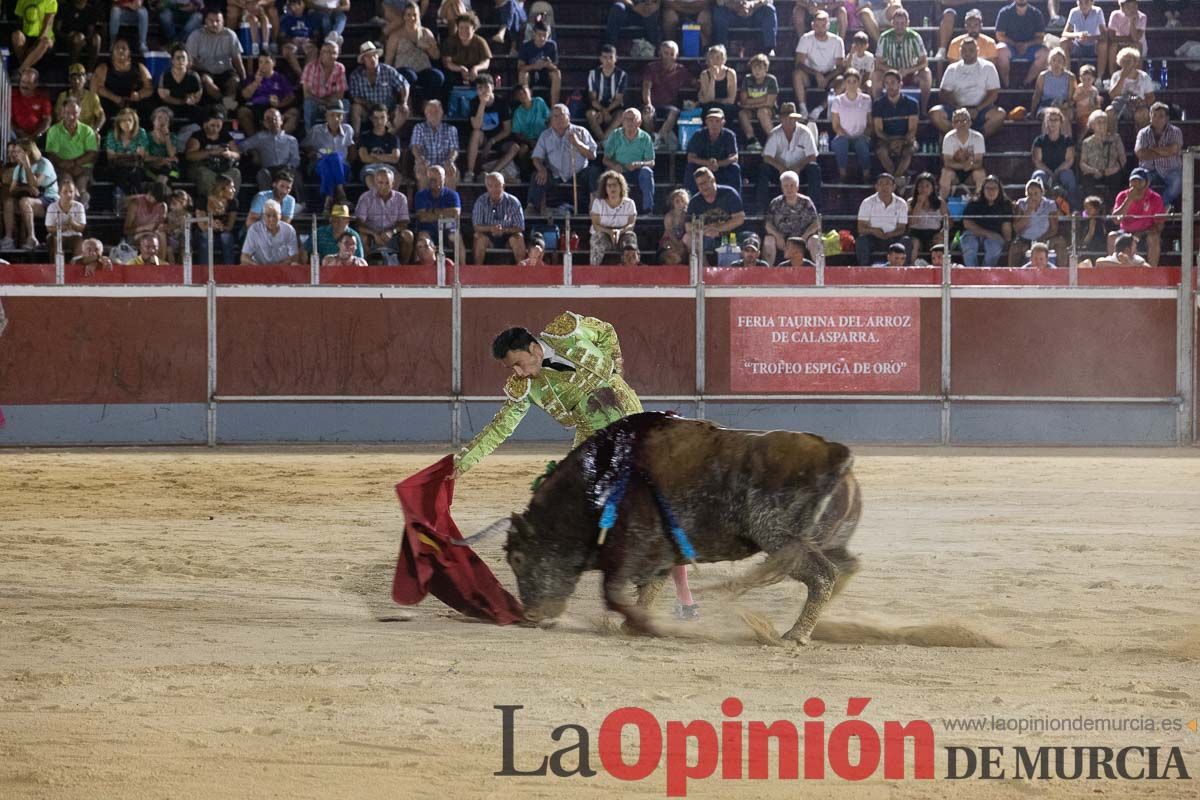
x,y
818,573
637,620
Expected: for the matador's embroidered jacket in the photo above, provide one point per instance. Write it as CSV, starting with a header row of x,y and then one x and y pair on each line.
x,y
588,399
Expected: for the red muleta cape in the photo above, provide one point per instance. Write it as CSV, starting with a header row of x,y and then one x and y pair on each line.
x,y
428,563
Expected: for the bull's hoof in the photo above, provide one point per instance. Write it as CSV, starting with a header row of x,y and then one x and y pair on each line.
x,y
796,639
638,629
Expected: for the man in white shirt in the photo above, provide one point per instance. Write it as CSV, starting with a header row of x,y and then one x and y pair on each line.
x,y
962,155
882,221
974,84
271,241
819,58
789,147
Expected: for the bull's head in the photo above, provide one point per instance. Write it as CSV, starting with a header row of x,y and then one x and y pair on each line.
x,y
547,566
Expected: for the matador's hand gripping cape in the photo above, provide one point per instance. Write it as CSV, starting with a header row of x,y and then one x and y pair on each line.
x,y
588,399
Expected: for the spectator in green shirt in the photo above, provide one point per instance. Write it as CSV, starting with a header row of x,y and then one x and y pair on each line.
x,y
72,148
328,235
530,116
629,150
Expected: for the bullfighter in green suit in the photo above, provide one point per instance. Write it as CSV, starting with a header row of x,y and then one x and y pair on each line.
x,y
573,371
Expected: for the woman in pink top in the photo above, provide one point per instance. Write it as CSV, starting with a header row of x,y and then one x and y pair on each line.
x,y
851,115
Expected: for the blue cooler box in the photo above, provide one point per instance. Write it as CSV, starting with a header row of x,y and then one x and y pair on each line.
x,y
689,46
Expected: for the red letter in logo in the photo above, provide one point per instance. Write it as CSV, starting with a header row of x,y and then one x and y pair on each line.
x,y
649,743
678,770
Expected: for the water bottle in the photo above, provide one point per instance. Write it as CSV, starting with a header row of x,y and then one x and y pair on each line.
x,y
244,37
925,22
824,142
1162,74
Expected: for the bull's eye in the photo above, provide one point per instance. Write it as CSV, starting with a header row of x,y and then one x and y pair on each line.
x,y
516,559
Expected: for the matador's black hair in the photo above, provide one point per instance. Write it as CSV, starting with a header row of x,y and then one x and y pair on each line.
x,y
509,340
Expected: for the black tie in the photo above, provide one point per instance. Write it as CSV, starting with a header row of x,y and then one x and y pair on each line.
x,y
556,365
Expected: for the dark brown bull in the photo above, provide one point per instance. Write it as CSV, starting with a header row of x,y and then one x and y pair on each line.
x,y
735,493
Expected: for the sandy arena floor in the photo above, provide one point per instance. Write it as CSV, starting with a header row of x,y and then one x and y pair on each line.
x,y
196,624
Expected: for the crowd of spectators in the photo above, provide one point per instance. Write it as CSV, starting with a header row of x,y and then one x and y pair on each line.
x,y
265,94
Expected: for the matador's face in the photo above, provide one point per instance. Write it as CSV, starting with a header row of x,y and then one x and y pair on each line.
x,y
525,363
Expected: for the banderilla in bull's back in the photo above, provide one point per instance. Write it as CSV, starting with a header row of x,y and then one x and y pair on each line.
x,y
729,493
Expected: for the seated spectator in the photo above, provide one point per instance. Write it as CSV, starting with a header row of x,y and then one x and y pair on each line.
x,y
631,254
256,17
537,59
1140,210
606,94
497,220
178,230
972,84
216,54
377,84
465,55
537,252
819,60
1086,98
413,50
383,218
715,147
791,215
268,89
663,81
1035,219
331,17
803,10
91,113
1126,29
850,114
674,246
1055,87
491,130
345,256
299,30
626,13
79,23
761,13
901,50
181,89
1039,256
324,82
927,216
436,203
986,47
35,36
124,148
32,189
172,12
629,151
750,251
434,143
219,215
1054,155
212,152
897,256
563,154
378,146
882,220
894,117
676,12
129,12
339,225
72,147
795,253
1085,37
757,101
1102,158
962,154
937,257
281,193
530,116
1022,27
1095,228
120,82
148,249
987,221
614,217
271,240
271,149
66,217
718,84
146,214
1159,148
861,59
32,113
510,17
872,12
719,208
1124,254
329,148
790,147
1131,90
93,257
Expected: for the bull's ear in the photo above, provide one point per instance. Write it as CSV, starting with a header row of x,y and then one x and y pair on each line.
x,y
522,526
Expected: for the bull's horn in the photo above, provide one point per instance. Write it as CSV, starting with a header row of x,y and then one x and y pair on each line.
x,y
499,525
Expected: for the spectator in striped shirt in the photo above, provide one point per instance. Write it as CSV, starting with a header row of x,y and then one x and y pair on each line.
x,y
497,220
1158,147
902,49
382,215
324,82
377,84
434,143
606,94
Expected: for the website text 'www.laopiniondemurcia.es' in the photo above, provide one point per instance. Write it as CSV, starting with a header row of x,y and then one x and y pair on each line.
x,y
632,744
